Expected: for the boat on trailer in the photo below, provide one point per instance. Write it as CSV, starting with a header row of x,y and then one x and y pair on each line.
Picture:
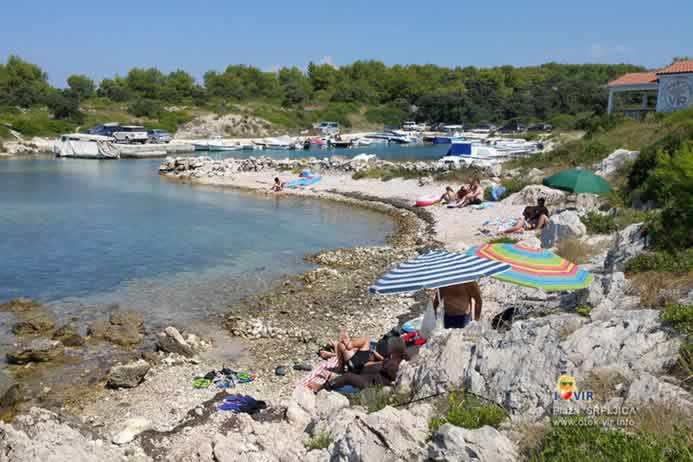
x,y
85,146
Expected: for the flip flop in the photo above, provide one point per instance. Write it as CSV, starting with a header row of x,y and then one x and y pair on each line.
x,y
201,382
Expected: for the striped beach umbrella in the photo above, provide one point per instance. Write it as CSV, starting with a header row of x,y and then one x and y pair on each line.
x,y
536,268
434,270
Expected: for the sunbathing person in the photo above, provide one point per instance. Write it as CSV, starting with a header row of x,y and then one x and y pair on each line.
x,y
383,374
448,196
475,195
277,186
353,353
533,217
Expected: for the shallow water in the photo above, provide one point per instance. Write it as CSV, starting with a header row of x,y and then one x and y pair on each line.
x,y
80,234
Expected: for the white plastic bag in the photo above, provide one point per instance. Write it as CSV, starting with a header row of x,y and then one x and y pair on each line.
x,y
429,322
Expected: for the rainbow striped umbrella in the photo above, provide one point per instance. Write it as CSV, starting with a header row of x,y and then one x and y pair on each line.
x,y
536,268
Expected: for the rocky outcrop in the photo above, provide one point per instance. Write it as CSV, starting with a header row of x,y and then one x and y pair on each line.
x,y
36,323
565,225
127,375
455,444
530,194
238,125
124,328
20,305
36,351
9,391
171,341
131,428
629,242
386,435
68,336
205,167
615,161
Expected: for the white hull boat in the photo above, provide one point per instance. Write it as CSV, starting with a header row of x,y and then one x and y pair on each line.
x,y
85,146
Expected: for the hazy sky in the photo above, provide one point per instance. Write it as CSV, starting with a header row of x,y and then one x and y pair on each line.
x,y
102,38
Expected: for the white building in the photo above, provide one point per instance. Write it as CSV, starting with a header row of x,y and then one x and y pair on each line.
x,y
671,88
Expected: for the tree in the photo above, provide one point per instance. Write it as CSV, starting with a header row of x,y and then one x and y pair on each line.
x,y
22,83
179,85
295,85
64,104
143,107
81,86
322,76
114,89
145,83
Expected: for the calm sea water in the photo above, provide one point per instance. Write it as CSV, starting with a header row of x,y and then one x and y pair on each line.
x,y
79,234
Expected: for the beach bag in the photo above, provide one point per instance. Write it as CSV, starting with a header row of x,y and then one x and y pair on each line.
x,y
429,322
497,192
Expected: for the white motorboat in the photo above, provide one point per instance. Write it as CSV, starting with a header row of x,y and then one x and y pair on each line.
x,y
85,146
281,142
467,153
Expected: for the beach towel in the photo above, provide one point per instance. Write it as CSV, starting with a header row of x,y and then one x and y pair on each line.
x,y
498,225
320,374
483,205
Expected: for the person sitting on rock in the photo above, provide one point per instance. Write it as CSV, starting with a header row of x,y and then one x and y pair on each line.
x,y
533,217
475,195
383,374
353,353
460,302
277,186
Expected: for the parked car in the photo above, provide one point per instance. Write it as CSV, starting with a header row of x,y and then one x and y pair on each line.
x,y
106,129
121,133
484,128
158,135
327,128
512,128
131,134
540,128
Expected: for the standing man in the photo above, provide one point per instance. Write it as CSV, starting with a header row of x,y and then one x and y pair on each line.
x,y
460,303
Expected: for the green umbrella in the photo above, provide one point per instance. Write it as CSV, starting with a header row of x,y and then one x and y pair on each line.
x,y
578,181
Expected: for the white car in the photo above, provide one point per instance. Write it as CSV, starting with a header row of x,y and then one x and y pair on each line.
x,y
130,134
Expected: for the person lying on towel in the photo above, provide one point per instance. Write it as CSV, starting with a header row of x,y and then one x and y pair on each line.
x,y
354,353
384,373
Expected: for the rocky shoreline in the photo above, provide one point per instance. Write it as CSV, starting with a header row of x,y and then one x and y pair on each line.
x,y
602,335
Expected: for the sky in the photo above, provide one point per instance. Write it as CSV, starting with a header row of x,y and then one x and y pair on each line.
x,y
101,39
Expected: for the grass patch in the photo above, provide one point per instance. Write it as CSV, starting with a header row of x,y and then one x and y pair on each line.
x,y
659,289
662,261
583,311
459,175
513,185
679,317
598,223
571,440
603,382
466,411
533,436
574,250
376,398
320,441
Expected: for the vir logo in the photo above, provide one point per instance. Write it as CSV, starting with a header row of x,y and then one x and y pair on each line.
x,y
566,390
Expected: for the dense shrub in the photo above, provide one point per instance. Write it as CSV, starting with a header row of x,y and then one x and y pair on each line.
x,y
662,261
320,441
467,412
64,105
679,316
600,223
571,440
145,108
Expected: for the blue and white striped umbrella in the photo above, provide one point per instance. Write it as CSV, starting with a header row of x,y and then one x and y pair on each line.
x,y
434,270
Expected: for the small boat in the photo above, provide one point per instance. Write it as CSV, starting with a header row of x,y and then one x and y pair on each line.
x,y
468,153
340,143
85,146
281,142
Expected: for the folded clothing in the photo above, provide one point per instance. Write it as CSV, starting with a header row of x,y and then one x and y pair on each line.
x,y
242,403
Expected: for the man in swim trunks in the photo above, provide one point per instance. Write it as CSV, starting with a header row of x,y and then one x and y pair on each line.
x,y
460,302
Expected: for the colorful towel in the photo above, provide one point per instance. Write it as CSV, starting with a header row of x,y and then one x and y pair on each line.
x,y
320,374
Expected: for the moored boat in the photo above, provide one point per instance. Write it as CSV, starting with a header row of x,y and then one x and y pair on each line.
x,y
85,146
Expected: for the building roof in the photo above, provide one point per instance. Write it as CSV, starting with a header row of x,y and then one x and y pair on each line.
x,y
679,67
634,78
